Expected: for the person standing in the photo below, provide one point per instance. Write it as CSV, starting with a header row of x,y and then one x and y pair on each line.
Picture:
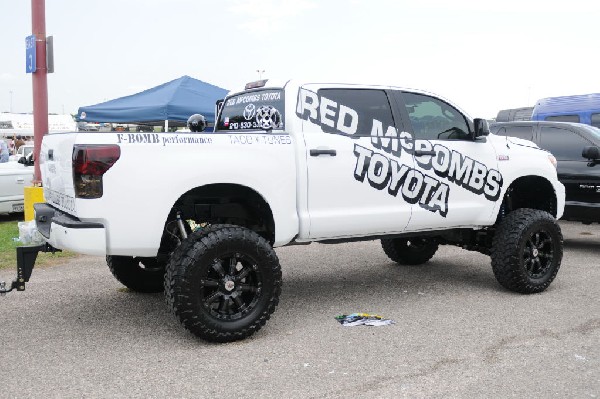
x,y
18,143
4,153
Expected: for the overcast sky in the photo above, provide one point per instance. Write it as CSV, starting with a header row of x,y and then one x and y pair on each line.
x,y
482,55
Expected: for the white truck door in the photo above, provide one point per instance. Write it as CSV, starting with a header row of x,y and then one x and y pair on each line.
x,y
458,178
355,163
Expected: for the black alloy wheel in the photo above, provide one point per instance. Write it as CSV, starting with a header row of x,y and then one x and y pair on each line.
x,y
231,286
538,254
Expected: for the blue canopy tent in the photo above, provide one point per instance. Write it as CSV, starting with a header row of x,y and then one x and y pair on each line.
x,y
171,104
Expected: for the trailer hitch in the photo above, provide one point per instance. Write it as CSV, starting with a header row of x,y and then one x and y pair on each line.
x,y
26,257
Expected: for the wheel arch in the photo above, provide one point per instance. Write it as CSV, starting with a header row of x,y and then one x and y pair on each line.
x,y
531,191
226,203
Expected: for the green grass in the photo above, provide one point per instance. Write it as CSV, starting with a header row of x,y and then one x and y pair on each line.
x,y
8,257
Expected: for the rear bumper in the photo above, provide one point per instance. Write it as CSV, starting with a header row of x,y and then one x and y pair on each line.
x,y
11,204
63,231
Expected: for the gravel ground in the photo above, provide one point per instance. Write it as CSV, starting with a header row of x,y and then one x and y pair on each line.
x,y
76,332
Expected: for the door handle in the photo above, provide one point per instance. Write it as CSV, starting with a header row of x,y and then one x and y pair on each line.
x,y
20,180
315,152
418,153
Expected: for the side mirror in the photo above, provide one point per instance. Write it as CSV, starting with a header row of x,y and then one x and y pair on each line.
x,y
481,127
591,152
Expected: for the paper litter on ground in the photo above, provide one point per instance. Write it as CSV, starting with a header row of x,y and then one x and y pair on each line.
x,y
363,319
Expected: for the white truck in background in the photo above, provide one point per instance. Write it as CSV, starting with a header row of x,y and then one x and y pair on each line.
x,y
198,214
14,176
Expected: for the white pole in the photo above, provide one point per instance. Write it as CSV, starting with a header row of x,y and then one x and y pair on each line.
x,y
166,125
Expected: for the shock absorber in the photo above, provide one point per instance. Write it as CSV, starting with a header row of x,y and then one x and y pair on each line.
x,y
181,226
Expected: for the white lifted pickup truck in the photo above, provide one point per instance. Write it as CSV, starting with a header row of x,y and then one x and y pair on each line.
x,y
198,214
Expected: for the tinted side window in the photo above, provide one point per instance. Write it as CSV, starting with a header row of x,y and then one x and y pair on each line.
x,y
596,120
433,119
522,132
564,144
370,105
563,118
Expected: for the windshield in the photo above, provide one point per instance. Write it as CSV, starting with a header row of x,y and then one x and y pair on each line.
x,y
256,110
593,130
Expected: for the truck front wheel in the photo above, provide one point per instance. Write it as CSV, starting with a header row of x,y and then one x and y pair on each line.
x,y
410,251
223,283
527,251
137,274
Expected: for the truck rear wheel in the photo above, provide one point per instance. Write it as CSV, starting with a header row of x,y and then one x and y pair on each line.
x,y
409,251
223,283
527,251
137,274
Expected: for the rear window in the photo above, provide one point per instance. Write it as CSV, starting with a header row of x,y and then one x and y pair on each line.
x,y
256,110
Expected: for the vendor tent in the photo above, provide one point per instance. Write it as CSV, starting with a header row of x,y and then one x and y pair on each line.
x,y
171,103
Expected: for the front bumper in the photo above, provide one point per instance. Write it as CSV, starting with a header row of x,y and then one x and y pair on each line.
x,y
67,232
560,199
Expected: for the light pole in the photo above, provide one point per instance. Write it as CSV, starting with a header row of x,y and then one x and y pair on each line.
x,y
39,80
260,72
10,91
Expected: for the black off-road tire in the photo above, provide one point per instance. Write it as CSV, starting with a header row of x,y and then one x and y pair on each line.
x,y
527,250
223,283
136,273
410,251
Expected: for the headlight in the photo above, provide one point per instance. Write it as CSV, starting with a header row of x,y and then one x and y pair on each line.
x,y
552,160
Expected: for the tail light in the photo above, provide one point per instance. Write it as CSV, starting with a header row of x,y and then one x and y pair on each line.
x,y
90,163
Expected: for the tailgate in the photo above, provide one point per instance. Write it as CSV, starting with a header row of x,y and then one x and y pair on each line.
x,y
57,173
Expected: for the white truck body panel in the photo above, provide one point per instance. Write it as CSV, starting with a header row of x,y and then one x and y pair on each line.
x,y
143,185
517,159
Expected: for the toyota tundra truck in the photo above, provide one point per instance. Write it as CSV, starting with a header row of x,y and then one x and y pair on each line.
x,y
198,215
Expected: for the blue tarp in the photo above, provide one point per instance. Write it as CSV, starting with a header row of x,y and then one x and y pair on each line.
x,y
174,101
